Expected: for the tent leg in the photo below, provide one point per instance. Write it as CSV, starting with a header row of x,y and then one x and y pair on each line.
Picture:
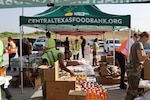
x,y
114,36
129,35
21,64
21,69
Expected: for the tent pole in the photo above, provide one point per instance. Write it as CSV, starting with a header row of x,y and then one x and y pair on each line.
x,y
114,36
129,35
21,69
21,64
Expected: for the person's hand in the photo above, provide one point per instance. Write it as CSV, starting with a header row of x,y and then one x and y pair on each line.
x,y
71,73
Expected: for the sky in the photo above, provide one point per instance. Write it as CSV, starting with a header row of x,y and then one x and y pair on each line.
x,y
140,16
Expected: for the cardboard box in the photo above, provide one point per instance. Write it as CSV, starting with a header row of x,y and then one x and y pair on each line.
x,y
60,86
109,80
103,58
57,96
76,95
49,74
35,80
72,63
109,59
58,90
103,70
15,81
146,70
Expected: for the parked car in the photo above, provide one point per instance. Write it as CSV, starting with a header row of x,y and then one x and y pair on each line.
x,y
100,42
147,47
40,43
109,46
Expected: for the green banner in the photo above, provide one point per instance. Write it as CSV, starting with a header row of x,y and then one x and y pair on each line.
x,y
78,20
39,3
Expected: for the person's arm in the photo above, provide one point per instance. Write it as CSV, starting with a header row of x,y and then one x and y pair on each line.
x,y
142,56
62,66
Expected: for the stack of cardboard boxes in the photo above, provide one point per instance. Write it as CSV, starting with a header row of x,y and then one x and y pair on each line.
x,y
105,76
146,70
56,88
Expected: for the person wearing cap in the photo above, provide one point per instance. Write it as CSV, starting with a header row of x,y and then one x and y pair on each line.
x,y
137,57
122,55
75,49
49,44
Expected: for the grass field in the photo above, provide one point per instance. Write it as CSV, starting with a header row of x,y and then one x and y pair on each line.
x,y
122,35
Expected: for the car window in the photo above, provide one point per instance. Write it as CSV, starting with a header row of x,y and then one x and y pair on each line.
x,y
41,40
116,41
111,41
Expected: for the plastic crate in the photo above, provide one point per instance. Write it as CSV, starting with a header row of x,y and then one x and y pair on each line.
x,y
25,64
29,64
14,63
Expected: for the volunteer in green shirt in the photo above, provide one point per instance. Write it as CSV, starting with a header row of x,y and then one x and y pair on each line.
x,y
50,43
75,50
95,51
49,58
